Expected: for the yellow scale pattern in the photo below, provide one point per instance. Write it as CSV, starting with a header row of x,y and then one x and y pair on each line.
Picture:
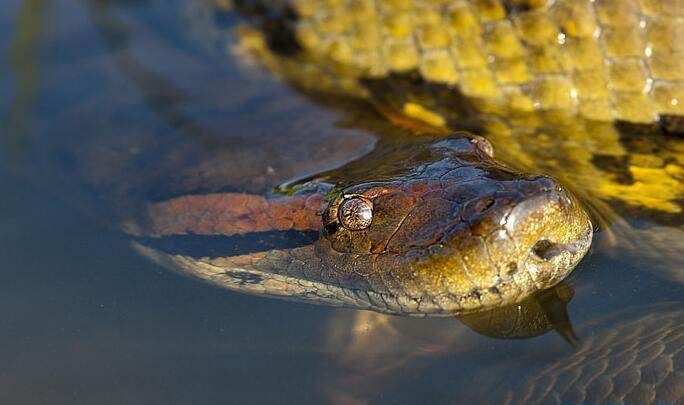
x,y
603,59
546,104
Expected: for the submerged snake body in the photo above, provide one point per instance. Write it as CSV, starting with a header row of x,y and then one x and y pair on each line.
x,y
633,355
632,360
605,59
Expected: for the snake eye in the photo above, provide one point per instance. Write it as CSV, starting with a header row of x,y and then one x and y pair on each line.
x,y
484,145
355,213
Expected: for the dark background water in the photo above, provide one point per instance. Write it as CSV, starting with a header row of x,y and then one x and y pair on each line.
x,y
86,320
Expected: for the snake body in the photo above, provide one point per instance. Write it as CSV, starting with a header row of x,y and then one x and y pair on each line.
x,y
553,72
630,356
585,90
634,357
452,229
604,60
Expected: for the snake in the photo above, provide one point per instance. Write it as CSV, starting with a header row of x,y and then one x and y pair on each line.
x,y
429,222
575,84
640,361
436,225
632,355
626,162
447,231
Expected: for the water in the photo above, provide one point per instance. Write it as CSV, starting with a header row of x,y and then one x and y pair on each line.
x,y
87,320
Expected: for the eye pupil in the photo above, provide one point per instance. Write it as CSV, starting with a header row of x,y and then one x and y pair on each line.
x,y
356,213
484,145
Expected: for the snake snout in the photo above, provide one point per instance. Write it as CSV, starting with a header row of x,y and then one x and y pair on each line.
x,y
552,232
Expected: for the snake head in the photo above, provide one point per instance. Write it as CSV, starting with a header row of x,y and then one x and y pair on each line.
x,y
460,231
431,229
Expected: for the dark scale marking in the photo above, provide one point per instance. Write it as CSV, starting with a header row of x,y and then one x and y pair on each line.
x,y
275,22
672,124
245,278
616,165
513,8
512,268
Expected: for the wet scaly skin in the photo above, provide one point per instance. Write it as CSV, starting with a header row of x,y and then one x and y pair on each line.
x,y
452,231
587,110
246,280
602,60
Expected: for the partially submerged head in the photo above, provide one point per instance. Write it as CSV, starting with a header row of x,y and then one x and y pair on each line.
x,y
459,232
415,229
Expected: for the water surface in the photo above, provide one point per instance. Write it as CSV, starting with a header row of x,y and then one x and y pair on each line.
x,y
85,86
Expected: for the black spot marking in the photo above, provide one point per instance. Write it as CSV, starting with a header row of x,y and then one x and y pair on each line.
x,y
618,166
516,7
633,129
447,101
276,21
512,268
331,228
672,124
244,278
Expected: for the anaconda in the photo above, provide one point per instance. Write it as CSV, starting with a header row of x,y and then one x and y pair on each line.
x,y
236,204
543,81
141,157
604,60
399,274
447,230
394,265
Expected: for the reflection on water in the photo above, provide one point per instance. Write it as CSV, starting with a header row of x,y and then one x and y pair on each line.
x,y
122,105
23,63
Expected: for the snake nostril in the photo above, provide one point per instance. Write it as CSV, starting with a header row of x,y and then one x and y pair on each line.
x,y
546,250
